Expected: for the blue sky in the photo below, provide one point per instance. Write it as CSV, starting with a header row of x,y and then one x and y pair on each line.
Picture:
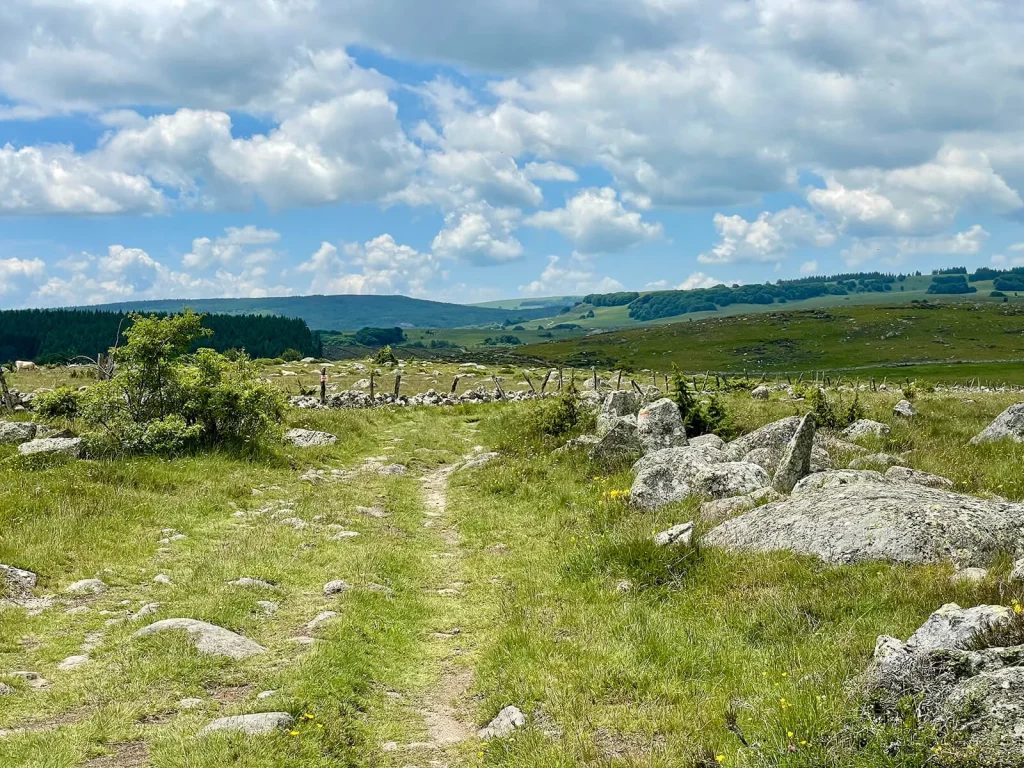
x,y
467,152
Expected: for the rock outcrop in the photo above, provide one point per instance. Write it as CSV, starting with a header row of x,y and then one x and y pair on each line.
x,y
904,409
619,443
796,459
307,438
730,478
660,425
207,638
865,428
58,446
877,521
1007,425
253,725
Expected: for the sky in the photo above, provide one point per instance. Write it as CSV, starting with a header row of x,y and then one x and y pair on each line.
x,y
470,151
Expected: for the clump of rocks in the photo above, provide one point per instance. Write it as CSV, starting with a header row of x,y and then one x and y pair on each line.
x,y
964,669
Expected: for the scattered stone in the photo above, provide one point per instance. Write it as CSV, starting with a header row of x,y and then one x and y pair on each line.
x,y
246,581
796,460
295,522
773,436
336,587
173,537
660,425
615,406
17,581
904,409
837,478
877,521
265,694
1017,573
481,460
190,703
970,575
17,431
6,690
375,512
306,438
876,460
267,607
657,486
34,679
163,578
86,587
254,725
344,535
952,626
865,428
147,610
506,721
208,638
625,585
71,662
729,478
78,610
917,477
320,618
760,392
1008,424
62,446
620,442
679,535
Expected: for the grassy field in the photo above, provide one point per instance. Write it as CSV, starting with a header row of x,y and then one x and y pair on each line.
x,y
862,341
469,591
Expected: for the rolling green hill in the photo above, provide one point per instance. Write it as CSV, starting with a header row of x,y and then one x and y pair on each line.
x,y
940,338
346,312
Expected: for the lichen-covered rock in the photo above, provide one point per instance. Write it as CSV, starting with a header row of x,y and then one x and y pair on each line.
x,y
677,535
796,460
760,392
904,409
509,719
616,405
977,693
660,425
721,509
16,581
658,485
86,587
865,428
917,477
253,725
687,459
877,521
619,443
58,446
307,438
730,478
17,431
707,441
207,638
1007,425
772,436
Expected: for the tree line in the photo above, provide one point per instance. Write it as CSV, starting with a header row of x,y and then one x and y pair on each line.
x,y
58,335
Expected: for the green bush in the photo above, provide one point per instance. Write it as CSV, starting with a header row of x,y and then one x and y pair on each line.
x,y
384,355
291,356
62,403
703,416
163,400
834,415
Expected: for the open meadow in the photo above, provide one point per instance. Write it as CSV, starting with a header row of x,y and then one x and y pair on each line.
x,y
399,597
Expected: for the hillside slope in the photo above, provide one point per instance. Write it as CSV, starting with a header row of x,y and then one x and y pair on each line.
x,y
343,312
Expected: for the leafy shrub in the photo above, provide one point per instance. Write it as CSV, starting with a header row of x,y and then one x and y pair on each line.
x,y
164,400
700,417
291,355
62,403
834,415
384,356
909,391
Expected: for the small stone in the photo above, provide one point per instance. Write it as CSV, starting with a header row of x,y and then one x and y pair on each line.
x,y
506,721
86,587
760,392
344,535
162,578
969,575
303,640
267,607
320,618
265,694
71,662
904,410
18,580
389,746
305,438
336,587
78,610
34,679
865,428
207,638
679,535
147,610
63,446
246,581
264,722
190,703
6,690
295,522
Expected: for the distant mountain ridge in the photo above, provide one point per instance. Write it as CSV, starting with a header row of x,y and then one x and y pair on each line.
x,y
342,312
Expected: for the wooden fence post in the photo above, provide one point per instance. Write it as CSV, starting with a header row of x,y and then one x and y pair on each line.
x,y
398,383
323,386
527,377
455,385
618,382
371,385
559,379
501,392
596,388
8,401
544,384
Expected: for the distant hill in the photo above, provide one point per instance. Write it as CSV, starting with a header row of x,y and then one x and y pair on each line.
x,y
342,313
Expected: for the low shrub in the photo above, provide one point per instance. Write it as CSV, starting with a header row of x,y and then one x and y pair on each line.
x,y
62,404
706,415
